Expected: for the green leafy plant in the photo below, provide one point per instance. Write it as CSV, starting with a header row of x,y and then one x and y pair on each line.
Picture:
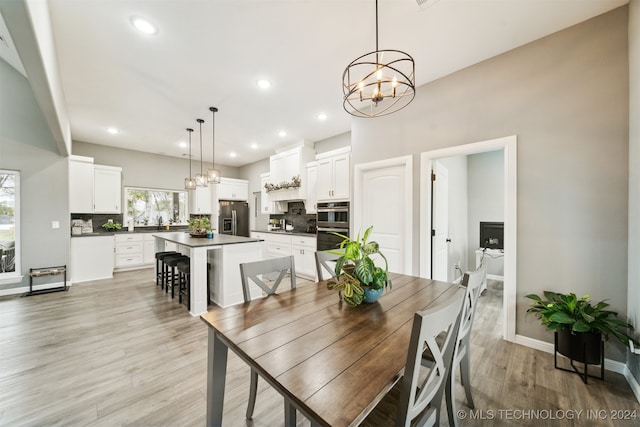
x,y
566,311
200,225
356,268
112,225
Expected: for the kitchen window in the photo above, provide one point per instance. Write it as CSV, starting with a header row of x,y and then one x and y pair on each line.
x,y
148,206
9,226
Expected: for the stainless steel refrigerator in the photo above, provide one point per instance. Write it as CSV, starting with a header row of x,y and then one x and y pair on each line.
x,y
234,218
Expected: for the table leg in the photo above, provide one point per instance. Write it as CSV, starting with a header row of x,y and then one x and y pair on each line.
x,y
216,376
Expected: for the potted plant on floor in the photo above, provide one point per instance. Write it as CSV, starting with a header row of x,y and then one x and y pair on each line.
x,y
199,226
358,279
580,325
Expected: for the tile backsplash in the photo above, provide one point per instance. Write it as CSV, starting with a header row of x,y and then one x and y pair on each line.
x,y
297,215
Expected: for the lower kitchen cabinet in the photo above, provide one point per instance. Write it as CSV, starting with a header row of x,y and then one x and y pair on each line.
x,y
302,248
129,250
135,250
91,258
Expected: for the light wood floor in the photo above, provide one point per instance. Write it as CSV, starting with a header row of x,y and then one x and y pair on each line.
x,y
121,352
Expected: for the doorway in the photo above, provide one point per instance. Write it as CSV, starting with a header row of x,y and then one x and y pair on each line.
x,y
428,159
383,198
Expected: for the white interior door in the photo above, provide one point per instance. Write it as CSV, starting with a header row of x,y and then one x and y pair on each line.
x,y
383,200
440,218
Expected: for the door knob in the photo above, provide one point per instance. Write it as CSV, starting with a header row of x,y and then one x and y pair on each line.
x,y
448,240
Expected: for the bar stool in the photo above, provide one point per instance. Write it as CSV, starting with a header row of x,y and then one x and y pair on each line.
x,y
171,261
160,279
184,282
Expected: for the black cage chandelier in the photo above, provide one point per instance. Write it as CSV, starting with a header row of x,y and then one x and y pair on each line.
x,y
378,83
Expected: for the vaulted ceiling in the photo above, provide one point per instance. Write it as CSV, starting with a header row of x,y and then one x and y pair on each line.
x,y
213,52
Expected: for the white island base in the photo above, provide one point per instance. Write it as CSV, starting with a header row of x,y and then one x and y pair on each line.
x,y
225,254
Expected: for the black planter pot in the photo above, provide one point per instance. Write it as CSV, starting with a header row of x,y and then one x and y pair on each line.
x,y
583,347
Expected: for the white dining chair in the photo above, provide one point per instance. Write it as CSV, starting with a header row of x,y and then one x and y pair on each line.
x,y
323,260
472,282
255,272
420,400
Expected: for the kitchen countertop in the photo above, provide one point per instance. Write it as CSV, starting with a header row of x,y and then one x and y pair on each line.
x,y
125,231
185,239
288,233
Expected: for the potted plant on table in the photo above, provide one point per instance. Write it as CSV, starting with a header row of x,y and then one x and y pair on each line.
x,y
580,325
358,279
199,226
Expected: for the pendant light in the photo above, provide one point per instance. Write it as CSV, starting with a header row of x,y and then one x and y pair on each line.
x,y
201,178
213,174
378,83
189,183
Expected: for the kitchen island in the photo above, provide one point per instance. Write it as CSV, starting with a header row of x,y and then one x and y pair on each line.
x,y
225,253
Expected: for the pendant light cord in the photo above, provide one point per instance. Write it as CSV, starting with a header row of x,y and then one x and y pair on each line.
x,y
189,130
200,121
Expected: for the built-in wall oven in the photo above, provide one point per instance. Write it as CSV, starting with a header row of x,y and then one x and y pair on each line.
x,y
332,217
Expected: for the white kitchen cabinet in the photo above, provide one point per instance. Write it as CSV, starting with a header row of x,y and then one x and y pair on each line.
x,y
129,251
200,201
80,184
334,175
278,245
268,207
286,165
107,189
149,249
301,247
91,258
311,204
303,250
233,189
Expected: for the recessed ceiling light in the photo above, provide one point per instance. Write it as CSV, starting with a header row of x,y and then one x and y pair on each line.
x,y
322,117
143,25
233,154
264,84
113,131
282,134
254,146
183,144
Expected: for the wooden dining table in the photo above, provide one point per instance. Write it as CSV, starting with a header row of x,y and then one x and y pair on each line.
x,y
332,362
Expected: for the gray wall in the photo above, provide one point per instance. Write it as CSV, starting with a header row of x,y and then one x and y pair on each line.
x,y
145,169
26,145
252,173
486,199
566,97
333,143
633,302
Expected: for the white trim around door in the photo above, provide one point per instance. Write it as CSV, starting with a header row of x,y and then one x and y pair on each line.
x,y
509,145
407,210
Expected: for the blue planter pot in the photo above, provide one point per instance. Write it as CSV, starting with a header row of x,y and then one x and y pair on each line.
x,y
372,295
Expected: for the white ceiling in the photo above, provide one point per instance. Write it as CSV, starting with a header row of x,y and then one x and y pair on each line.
x,y
212,52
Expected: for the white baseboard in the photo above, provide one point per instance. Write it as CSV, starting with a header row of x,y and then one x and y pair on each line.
x,y
632,383
609,365
23,289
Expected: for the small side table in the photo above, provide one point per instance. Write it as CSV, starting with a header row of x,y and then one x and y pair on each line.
x,y
46,271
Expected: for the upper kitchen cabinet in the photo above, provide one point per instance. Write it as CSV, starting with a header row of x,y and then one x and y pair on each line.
x,y
107,189
80,184
334,175
233,189
284,167
94,188
200,201
267,206
311,204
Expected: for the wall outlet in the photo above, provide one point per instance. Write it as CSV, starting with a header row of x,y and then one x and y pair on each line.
x,y
55,224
